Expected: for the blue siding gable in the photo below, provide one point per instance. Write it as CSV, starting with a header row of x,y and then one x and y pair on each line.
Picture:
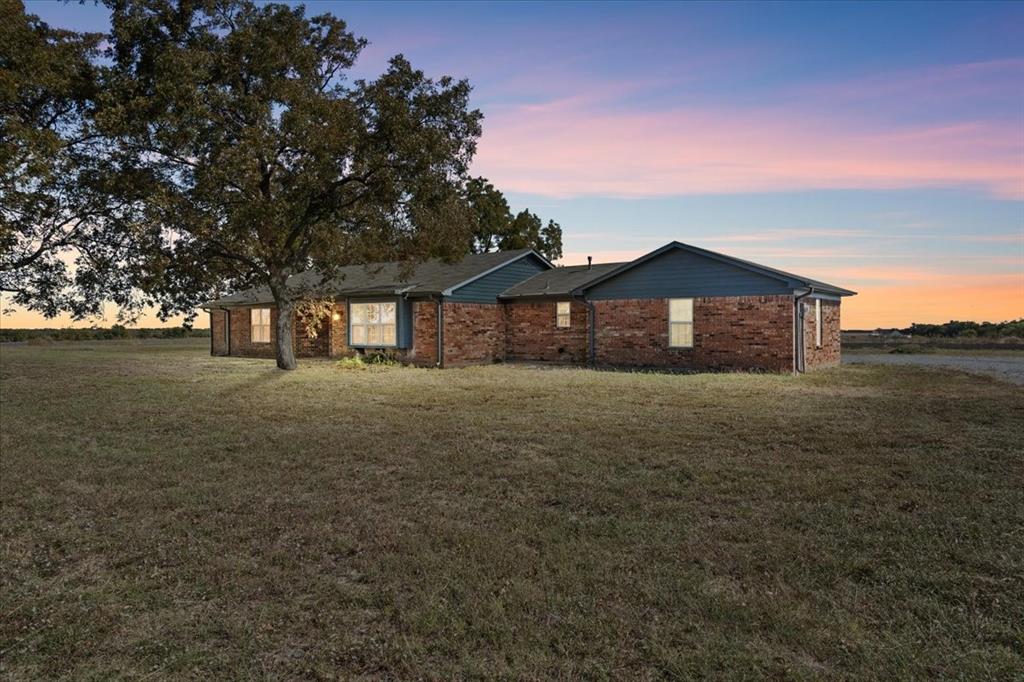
x,y
487,288
683,274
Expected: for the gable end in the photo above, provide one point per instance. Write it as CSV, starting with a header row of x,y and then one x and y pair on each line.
x,y
487,287
681,273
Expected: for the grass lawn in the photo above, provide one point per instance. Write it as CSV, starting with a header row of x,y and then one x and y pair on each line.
x,y
166,514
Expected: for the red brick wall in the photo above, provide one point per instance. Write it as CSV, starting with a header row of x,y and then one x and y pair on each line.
x,y
218,332
474,333
242,345
241,339
306,347
424,334
828,354
733,332
752,332
338,337
533,335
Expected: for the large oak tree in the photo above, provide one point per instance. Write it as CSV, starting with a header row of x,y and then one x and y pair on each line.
x,y
260,159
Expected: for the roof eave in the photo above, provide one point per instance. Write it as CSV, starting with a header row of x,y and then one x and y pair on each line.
x,y
545,294
820,288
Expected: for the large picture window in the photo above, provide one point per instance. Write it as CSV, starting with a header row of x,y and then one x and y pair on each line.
x,y
680,322
259,323
372,324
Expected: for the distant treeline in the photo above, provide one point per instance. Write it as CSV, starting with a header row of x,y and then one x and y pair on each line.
x,y
955,329
100,333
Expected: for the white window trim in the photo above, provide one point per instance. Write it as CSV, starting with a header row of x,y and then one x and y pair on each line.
x,y
817,323
254,325
687,323
563,320
367,344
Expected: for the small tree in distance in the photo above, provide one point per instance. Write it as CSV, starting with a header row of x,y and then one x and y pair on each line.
x,y
260,160
494,226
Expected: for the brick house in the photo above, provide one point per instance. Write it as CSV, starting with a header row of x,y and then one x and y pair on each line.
x,y
678,306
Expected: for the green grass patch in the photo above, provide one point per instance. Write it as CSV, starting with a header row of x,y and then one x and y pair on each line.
x,y
168,514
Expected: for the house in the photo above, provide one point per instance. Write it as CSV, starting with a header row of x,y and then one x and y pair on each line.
x,y
678,306
889,333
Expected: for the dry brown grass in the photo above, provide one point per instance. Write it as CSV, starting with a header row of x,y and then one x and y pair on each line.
x,y
167,514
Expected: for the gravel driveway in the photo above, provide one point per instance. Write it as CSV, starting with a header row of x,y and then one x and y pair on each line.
x,y
1005,368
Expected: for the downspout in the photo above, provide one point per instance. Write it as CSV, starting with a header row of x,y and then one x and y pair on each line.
x,y
210,311
227,328
440,332
798,330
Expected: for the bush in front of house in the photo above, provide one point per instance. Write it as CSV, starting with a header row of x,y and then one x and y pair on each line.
x,y
368,360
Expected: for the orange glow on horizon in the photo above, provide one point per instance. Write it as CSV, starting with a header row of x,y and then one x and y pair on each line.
x,y
27,319
982,299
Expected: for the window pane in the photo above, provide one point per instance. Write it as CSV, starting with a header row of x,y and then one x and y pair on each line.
x,y
358,334
373,337
372,312
358,311
680,310
388,335
680,335
387,313
259,325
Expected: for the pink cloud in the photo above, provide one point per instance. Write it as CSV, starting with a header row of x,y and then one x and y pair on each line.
x,y
969,79
566,150
580,143
796,233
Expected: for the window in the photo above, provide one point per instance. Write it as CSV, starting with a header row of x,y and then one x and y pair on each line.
x,y
680,323
259,322
372,324
817,323
562,314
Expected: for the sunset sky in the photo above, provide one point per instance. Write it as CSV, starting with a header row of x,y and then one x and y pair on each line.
x,y
879,147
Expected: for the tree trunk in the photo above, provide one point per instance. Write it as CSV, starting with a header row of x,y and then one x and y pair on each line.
x,y
285,338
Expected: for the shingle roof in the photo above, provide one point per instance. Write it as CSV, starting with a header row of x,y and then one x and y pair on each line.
x,y
558,281
429,277
436,277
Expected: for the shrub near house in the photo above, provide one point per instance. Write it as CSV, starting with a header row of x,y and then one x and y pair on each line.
x,y
678,306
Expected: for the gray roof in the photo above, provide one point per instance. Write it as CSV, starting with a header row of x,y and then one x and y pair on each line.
x,y
433,276
559,281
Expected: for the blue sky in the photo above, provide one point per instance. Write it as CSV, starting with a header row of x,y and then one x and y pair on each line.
x,y
879,146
